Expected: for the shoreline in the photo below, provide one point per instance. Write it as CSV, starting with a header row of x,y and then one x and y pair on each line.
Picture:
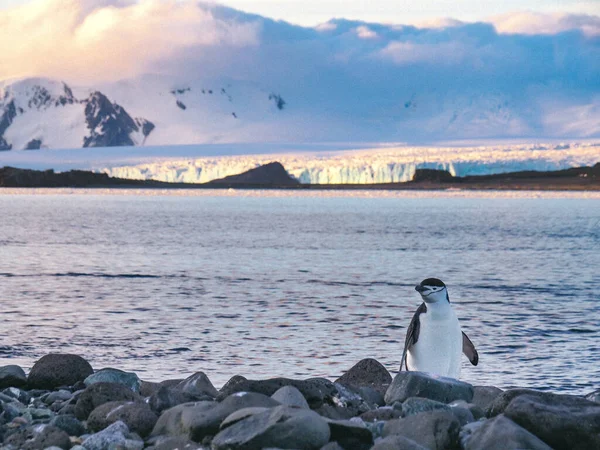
x,y
64,403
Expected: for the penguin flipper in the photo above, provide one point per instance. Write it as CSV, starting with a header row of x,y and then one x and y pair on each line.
x,y
469,349
412,334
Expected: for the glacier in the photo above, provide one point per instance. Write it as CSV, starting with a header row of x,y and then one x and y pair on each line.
x,y
368,166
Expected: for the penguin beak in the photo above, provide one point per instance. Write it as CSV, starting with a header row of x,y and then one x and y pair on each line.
x,y
420,289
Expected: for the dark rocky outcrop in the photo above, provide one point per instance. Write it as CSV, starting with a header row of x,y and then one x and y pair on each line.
x,y
420,384
13,177
9,112
432,175
138,416
34,144
12,376
99,393
367,373
271,174
109,124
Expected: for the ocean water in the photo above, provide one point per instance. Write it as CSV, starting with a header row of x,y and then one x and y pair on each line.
x,y
294,284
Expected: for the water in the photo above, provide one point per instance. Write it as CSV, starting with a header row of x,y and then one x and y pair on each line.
x,y
299,284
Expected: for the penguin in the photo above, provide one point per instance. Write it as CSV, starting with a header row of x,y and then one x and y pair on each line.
x,y
434,339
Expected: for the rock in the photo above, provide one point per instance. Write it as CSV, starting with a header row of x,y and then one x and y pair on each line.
x,y
198,385
115,436
18,394
55,370
332,446
62,395
434,175
432,429
483,396
350,434
99,393
109,375
169,396
420,384
176,443
282,426
336,412
12,376
109,124
463,414
272,173
499,433
290,396
138,416
69,424
315,390
147,388
201,419
381,414
502,401
416,405
39,438
397,442
593,396
367,373
227,387
240,414
561,421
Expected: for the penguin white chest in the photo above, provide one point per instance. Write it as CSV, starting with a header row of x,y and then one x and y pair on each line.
x,y
439,346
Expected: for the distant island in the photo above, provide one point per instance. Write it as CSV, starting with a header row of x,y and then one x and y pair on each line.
x,y
274,176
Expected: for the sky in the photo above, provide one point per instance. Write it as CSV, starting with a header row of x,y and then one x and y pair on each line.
x,y
314,12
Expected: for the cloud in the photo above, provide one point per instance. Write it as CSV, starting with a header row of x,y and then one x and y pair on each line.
x,y
536,23
108,39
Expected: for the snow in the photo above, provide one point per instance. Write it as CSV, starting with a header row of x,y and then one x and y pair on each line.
x,y
309,163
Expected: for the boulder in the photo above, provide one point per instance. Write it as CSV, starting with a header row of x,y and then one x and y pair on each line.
x,y
315,390
381,414
12,376
501,402
109,375
115,436
169,396
39,438
99,393
69,424
138,416
431,429
367,373
176,443
351,434
397,442
416,405
290,396
281,426
499,433
420,384
55,370
483,396
201,419
198,385
147,388
241,414
593,396
561,421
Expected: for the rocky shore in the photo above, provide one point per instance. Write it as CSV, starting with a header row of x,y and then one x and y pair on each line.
x,y
63,403
274,176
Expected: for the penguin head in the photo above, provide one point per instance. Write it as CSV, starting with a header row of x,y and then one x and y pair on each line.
x,y
433,290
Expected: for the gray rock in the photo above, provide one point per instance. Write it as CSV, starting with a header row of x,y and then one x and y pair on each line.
x,y
198,385
69,424
240,414
384,413
290,396
198,420
138,416
109,375
483,396
18,394
464,415
499,433
367,373
336,412
351,434
332,446
169,396
55,370
176,443
147,388
115,436
282,427
397,442
499,404
12,376
228,387
432,429
315,390
38,438
416,405
41,414
99,393
593,396
61,395
420,384
561,421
